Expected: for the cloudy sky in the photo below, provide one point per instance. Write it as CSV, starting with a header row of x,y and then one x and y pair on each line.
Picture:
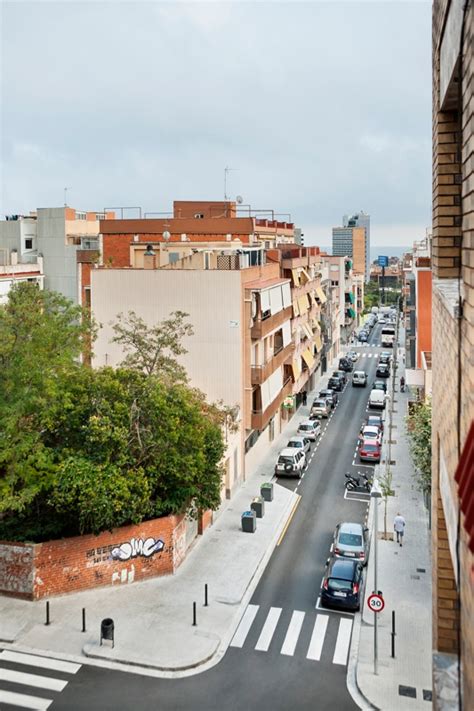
x,y
321,108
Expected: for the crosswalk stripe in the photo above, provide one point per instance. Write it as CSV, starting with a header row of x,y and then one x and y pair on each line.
x,y
42,682
24,700
268,629
293,633
342,642
32,660
244,626
369,355
317,638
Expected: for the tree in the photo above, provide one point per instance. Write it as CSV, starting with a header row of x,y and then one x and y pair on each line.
x,y
154,349
419,433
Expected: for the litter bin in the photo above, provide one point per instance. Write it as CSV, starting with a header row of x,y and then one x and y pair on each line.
x,y
249,522
107,630
266,491
258,505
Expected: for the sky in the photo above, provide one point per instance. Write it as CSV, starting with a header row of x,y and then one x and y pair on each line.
x,y
320,108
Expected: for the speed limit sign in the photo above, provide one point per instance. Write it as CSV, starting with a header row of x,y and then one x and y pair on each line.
x,y
375,602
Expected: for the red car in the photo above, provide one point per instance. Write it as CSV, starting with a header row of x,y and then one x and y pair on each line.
x,y
369,450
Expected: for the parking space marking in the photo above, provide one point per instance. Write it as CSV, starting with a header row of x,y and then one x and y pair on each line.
x,y
330,609
349,497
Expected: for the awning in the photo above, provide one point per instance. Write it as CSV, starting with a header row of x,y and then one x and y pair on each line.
x,y
351,313
312,296
296,308
296,368
315,323
308,358
296,277
265,300
320,295
286,292
304,276
303,304
351,296
286,333
317,342
307,330
414,377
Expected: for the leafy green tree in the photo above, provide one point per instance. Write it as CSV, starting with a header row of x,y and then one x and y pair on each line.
x,y
419,432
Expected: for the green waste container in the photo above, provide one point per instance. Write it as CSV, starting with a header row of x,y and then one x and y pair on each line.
x,y
258,505
266,491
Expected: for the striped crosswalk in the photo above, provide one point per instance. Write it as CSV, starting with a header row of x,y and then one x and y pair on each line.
x,y
315,635
22,684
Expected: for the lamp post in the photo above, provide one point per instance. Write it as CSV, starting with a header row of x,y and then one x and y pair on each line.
x,y
375,494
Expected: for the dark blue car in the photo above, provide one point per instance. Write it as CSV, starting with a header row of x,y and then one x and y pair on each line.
x,y
342,584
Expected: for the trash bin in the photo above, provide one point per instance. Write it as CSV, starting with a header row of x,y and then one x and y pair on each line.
x,y
249,522
258,505
266,491
107,630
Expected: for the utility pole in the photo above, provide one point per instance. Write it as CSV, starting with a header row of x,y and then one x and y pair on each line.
x,y
375,494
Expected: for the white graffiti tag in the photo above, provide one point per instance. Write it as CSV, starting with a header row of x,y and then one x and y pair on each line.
x,y
136,547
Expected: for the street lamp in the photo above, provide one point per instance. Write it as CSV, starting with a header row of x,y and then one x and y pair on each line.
x,y
375,494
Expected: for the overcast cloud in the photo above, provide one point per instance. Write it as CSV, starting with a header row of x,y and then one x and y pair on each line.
x,y
323,108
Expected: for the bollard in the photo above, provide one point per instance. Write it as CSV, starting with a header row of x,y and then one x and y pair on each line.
x,y
194,615
83,619
205,595
393,634
47,613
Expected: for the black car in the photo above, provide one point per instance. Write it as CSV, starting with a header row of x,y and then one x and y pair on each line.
x,y
335,384
383,371
342,584
346,365
340,374
330,395
380,385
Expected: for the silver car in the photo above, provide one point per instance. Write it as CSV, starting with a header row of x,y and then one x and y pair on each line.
x,y
311,429
301,443
320,408
351,541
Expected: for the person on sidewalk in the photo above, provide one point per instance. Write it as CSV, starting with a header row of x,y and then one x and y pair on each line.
x,y
399,528
305,397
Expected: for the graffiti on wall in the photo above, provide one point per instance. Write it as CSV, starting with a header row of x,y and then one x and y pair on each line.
x,y
136,547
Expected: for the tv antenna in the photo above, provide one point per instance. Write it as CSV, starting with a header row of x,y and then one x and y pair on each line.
x,y
226,171
65,196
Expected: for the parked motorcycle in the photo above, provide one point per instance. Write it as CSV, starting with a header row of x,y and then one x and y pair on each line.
x,y
360,481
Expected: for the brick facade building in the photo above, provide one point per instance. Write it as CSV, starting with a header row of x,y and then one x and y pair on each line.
x,y
453,348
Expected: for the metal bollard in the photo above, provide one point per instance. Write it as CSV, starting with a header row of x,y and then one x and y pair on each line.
x,y
194,615
393,634
205,596
83,619
47,613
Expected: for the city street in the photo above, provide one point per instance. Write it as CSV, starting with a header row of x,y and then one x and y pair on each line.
x,y
285,647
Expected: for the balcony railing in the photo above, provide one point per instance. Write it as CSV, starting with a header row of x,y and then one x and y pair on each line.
x,y
261,372
262,327
260,419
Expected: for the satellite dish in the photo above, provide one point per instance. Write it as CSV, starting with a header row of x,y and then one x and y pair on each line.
x,y
166,235
239,199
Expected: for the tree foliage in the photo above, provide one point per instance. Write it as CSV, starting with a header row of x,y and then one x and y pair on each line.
x,y
419,432
85,450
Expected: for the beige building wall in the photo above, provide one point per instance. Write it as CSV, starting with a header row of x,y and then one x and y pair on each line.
x,y
358,250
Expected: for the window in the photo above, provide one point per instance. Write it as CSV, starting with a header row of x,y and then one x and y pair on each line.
x,y
80,215
100,216
28,243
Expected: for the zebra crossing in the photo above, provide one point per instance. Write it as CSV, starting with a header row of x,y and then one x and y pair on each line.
x,y
24,678
321,626
373,354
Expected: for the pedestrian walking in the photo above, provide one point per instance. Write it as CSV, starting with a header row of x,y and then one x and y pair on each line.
x,y
305,397
399,527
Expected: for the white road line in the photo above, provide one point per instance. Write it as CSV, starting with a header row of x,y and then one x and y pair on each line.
x,y
42,682
245,624
342,642
268,629
24,700
293,633
317,638
32,660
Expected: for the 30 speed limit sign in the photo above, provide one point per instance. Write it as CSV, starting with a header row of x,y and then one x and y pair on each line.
x,y
376,602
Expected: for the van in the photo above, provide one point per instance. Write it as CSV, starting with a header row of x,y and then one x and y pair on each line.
x,y
377,399
359,379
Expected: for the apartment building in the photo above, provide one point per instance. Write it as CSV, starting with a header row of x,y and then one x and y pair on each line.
x,y
353,240
19,259
453,355
361,220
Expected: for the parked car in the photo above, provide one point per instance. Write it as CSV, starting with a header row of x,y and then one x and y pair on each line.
x,y
320,408
375,421
380,385
309,429
369,450
363,336
359,379
331,394
383,371
377,399
298,442
328,400
369,432
342,584
381,319
384,358
350,541
291,462
345,364
340,374
335,384
353,356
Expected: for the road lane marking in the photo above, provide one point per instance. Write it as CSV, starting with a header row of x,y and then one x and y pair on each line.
x,y
24,700
245,624
268,630
293,633
342,642
289,519
42,682
317,638
33,660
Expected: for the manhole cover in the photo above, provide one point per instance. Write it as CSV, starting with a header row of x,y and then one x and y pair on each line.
x,y
407,691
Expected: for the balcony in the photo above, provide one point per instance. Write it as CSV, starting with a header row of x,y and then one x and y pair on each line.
x,y
87,256
260,419
262,327
260,373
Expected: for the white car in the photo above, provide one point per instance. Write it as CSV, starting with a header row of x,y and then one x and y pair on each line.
x,y
381,319
369,432
291,462
311,429
300,442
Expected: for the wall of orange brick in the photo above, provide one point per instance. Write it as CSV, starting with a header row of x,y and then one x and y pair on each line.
x,y
423,314
122,556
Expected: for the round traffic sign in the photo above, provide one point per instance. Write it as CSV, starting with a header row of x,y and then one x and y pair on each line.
x,y
375,602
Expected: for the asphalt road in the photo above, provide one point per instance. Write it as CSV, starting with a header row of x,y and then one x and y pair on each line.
x,y
283,619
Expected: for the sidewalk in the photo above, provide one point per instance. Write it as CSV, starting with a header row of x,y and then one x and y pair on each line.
x,y
153,619
404,577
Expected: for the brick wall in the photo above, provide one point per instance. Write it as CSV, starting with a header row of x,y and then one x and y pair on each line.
x,y
124,555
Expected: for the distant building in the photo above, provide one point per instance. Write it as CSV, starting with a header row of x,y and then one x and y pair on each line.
x,y
361,219
19,260
353,240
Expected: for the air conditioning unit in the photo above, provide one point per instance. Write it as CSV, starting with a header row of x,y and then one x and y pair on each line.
x,y
184,237
228,237
199,215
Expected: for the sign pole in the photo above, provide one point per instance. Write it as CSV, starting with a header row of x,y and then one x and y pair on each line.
x,y
376,530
